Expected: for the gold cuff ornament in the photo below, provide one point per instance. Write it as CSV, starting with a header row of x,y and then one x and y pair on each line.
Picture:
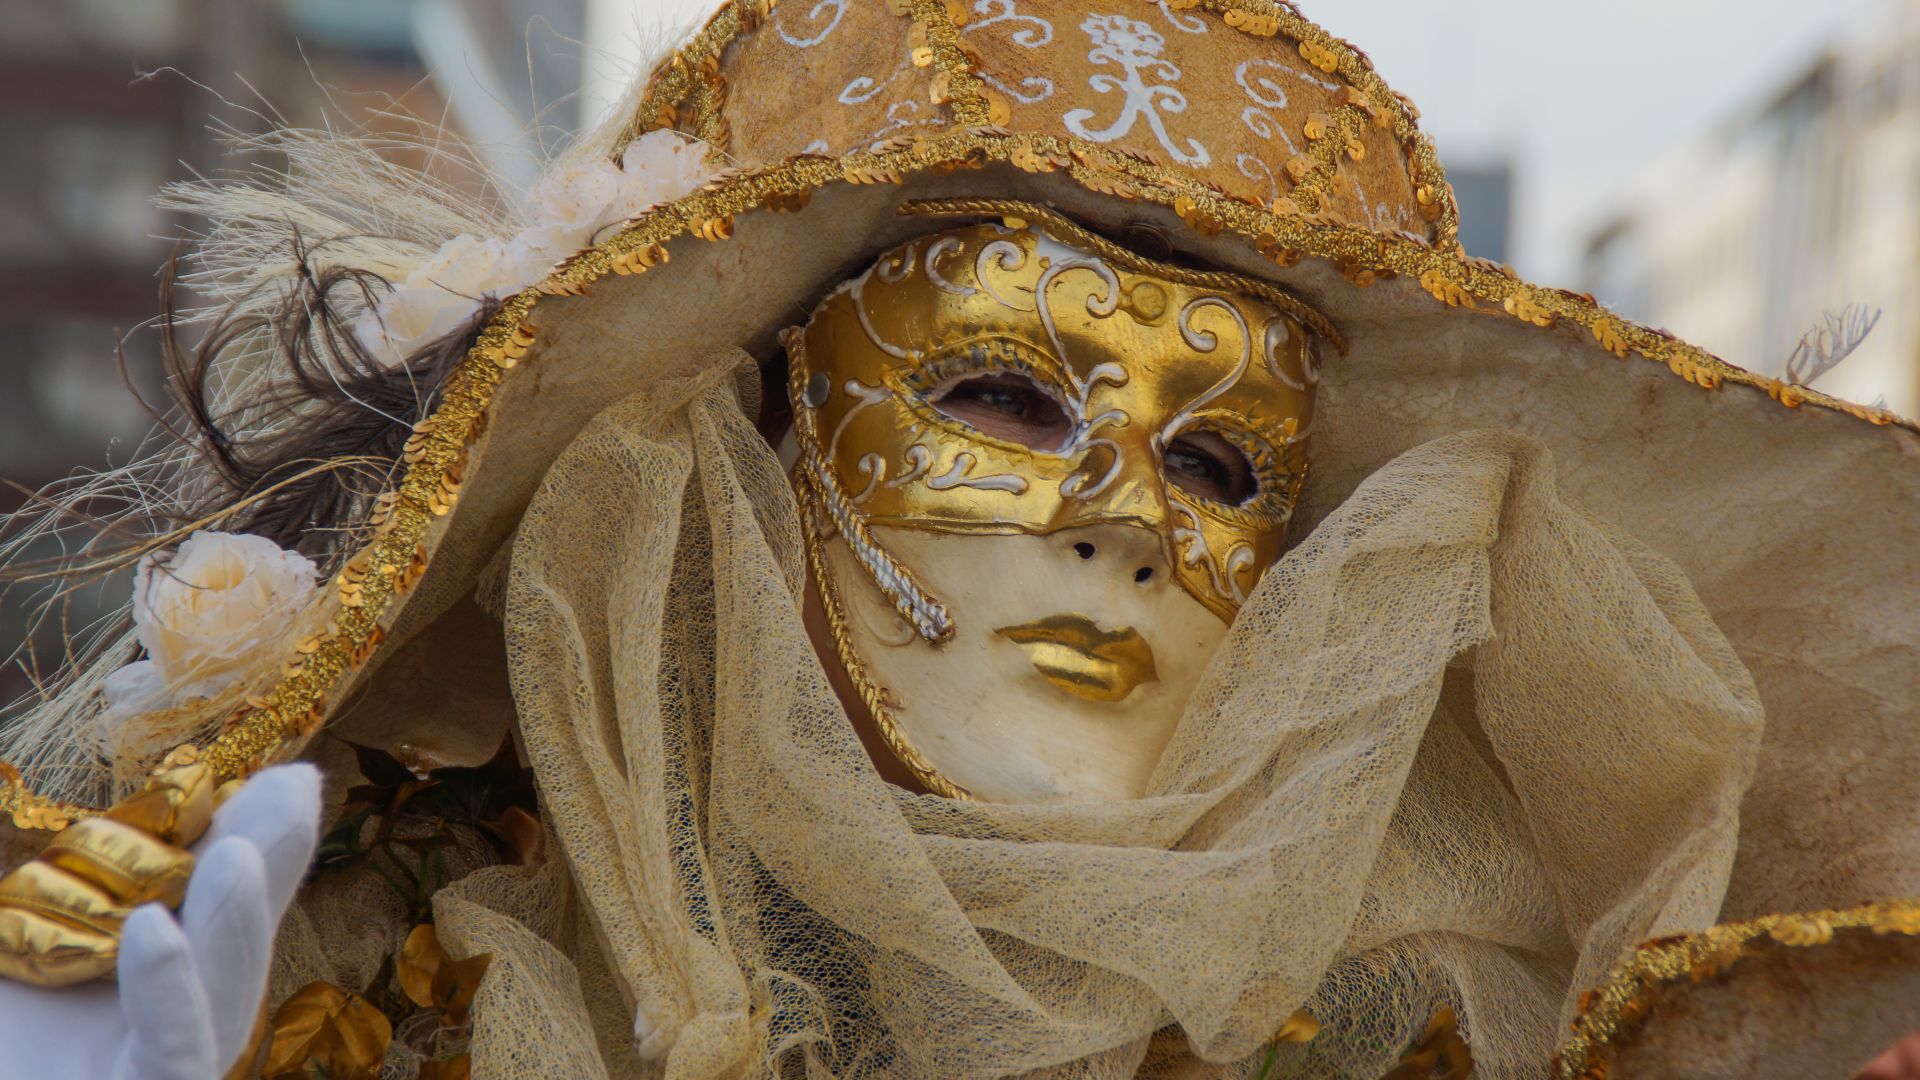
x,y
60,915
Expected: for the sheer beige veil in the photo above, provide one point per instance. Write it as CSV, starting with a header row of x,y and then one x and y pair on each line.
x,y
1464,746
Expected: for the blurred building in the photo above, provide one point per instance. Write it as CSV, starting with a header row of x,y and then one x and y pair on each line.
x,y
1484,191
103,101
1807,204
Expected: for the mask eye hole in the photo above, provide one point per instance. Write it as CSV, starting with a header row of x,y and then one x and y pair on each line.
x,y
1007,405
1206,465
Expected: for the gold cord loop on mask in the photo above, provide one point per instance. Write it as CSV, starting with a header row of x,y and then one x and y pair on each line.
x,y
872,694
928,616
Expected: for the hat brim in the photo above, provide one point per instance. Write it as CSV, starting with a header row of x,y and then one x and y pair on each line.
x,y
1792,513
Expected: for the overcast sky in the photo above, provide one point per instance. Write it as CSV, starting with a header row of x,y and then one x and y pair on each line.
x,y
1579,94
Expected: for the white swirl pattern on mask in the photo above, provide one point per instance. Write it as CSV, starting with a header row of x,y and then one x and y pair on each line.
x,y
1097,306
867,397
1205,341
874,468
919,463
1279,333
960,474
945,246
866,319
996,254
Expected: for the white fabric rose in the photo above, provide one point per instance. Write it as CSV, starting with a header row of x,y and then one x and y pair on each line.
x,y
579,200
437,297
204,616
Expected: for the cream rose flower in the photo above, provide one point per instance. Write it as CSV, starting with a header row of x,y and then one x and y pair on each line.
x,y
205,616
437,297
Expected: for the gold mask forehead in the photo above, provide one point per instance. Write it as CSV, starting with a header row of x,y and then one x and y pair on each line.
x,y
1136,354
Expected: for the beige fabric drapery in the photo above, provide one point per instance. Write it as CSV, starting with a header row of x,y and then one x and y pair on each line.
x,y
1463,746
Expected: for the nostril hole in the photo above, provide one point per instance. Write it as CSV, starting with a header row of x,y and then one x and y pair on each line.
x,y
1143,574
1084,550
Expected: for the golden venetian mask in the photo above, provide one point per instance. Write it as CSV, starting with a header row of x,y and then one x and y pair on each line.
x,y
1027,376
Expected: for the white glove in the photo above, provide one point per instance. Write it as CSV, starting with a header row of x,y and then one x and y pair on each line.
x,y
188,989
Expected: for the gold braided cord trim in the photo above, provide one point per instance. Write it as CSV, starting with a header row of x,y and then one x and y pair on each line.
x,y
1611,1012
1073,233
1323,159
395,559
871,693
709,100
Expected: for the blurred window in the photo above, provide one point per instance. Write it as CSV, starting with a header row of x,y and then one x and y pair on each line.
x,y
40,29
61,399
376,26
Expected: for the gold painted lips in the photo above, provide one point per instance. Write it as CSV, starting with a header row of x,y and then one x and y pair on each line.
x,y
1074,654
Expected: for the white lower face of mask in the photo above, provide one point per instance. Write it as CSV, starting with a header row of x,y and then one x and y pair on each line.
x,y
1072,661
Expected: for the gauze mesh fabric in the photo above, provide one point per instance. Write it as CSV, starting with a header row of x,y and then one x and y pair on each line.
x,y
1463,747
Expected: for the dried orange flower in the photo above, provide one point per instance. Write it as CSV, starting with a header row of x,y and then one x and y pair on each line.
x,y
323,1027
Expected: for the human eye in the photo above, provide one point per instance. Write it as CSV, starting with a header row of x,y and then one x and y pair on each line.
x,y
996,388
1205,464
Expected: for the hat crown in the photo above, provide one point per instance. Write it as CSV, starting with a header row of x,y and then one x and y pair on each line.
x,y
1244,95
